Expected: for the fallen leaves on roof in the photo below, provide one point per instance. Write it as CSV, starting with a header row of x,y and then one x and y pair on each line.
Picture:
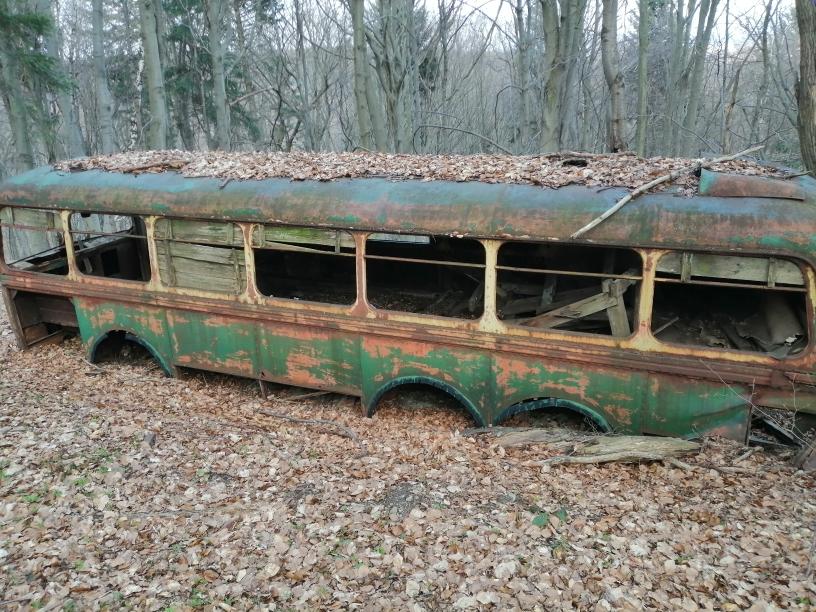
x,y
122,489
556,170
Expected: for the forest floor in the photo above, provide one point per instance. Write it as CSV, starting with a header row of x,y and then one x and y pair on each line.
x,y
120,488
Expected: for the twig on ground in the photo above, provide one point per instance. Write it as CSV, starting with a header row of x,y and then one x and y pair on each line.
x,y
303,396
666,178
339,430
746,454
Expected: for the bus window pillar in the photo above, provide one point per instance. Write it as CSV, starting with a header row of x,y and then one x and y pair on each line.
x,y
67,238
251,293
490,321
361,306
155,281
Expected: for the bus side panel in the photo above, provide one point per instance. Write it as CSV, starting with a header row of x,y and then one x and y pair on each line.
x,y
98,317
615,396
214,342
289,354
310,357
465,374
686,407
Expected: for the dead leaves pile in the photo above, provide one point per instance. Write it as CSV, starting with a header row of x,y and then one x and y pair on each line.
x,y
556,170
119,487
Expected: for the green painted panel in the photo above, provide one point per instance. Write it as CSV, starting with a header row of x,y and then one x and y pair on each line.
x,y
310,357
614,396
679,406
467,372
96,318
487,383
213,342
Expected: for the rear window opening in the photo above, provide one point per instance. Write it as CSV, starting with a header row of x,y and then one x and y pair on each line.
x,y
750,304
33,241
439,276
111,246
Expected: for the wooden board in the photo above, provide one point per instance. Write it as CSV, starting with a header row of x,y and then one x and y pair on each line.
x,y
732,268
31,217
268,235
196,266
207,232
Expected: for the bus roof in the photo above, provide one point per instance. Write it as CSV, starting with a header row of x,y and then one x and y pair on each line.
x,y
728,211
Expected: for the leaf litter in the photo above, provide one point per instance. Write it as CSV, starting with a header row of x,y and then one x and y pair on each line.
x,y
554,170
122,488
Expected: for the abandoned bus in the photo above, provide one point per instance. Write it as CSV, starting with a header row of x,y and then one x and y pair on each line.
x,y
682,314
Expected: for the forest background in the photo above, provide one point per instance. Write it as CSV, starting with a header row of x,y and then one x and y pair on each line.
x,y
658,77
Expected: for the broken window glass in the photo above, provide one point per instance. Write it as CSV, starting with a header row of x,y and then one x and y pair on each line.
x,y
436,275
33,240
112,246
567,287
753,304
300,263
203,255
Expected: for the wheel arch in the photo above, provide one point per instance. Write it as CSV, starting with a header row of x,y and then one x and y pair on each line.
x,y
130,336
547,403
469,406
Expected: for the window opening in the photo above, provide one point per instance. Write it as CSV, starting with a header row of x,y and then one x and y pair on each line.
x,y
752,304
439,275
308,264
568,287
203,255
111,246
33,240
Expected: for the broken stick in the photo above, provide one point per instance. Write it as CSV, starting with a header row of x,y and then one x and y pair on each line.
x,y
334,428
666,178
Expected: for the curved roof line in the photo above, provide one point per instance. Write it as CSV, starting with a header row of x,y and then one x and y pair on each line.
x,y
506,211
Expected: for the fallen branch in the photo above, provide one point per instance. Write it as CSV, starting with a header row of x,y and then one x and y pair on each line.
x,y
626,449
456,129
338,429
666,178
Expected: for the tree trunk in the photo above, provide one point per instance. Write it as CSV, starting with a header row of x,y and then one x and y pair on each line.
x,y
72,141
614,79
303,85
364,126
15,107
215,14
525,128
806,88
696,70
104,102
762,93
158,119
644,27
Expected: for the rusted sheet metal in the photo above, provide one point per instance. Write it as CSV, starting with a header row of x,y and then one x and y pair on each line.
x,y
721,185
439,207
490,384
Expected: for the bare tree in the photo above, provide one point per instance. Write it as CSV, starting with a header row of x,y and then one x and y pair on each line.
x,y
104,102
612,74
644,20
158,118
216,10
806,87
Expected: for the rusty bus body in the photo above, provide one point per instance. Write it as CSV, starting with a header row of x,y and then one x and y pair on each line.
x,y
626,380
